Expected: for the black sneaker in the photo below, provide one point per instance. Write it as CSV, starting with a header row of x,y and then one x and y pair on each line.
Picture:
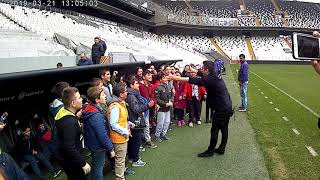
x,y
219,151
128,172
206,153
165,138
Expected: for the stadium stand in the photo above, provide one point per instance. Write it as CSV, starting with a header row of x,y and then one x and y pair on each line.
x,y
48,23
265,11
233,46
217,9
6,23
262,47
301,14
247,21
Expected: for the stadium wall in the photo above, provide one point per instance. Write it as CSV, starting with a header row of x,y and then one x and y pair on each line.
x,y
20,64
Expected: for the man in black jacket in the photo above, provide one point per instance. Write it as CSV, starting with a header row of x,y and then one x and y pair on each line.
x,y
219,100
104,45
97,51
136,108
68,136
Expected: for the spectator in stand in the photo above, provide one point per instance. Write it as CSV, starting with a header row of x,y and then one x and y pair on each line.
x,y
243,77
194,94
9,167
84,60
145,88
96,131
137,107
29,148
96,82
139,72
117,115
105,76
59,65
104,45
163,95
180,103
68,136
97,51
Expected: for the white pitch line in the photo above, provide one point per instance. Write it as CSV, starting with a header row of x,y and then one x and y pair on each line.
x,y
277,109
266,97
285,118
271,102
296,131
297,101
312,151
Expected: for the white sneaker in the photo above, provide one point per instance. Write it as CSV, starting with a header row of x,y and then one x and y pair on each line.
x,y
190,124
142,149
139,163
199,122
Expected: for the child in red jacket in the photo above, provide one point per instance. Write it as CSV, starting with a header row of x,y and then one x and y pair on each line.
x,y
179,104
194,94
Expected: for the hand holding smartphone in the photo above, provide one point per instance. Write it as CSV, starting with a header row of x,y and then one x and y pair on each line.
x,y
305,46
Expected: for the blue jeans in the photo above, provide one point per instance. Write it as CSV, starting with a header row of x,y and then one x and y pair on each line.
x,y
243,94
32,159
98,160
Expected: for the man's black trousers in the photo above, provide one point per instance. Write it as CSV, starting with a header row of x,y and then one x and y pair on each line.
x,y
220,122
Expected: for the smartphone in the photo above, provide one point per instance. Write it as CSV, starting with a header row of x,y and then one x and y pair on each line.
x,y
305,46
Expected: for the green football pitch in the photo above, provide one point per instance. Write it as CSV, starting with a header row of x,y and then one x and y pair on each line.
x,y
288,135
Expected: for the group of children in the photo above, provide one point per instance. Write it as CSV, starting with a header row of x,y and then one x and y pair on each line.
x,y
110,120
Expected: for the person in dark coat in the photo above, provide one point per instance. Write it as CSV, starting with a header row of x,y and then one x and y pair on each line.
x,y
97,51
84,60
104,45
9,167
219,100
96,131
137,106
68,136
28,147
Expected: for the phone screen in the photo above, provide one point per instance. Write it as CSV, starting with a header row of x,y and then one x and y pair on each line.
x,y
308,47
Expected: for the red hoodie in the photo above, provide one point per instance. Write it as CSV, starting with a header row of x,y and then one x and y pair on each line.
x,y
179,103
188,92
145,90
